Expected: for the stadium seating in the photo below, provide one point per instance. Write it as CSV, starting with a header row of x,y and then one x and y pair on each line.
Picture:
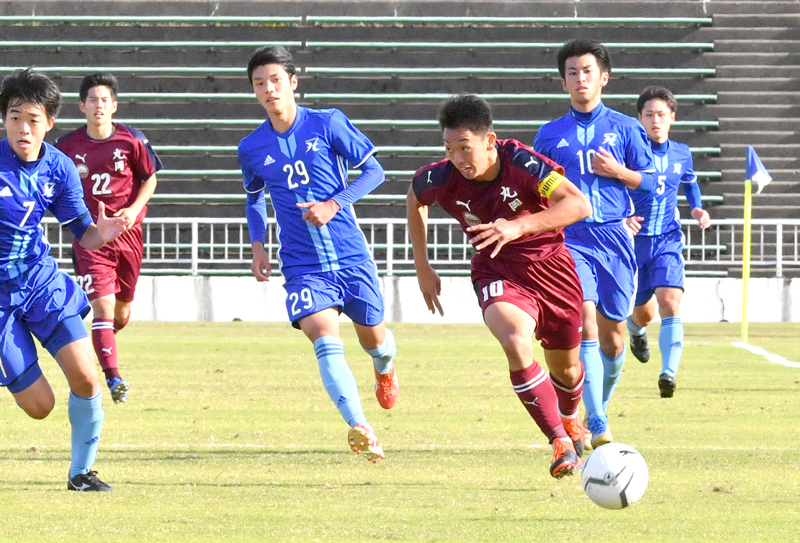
x,y
388,65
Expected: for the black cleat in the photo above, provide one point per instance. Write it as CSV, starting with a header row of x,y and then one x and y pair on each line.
x,y
640,347
88,482
666,385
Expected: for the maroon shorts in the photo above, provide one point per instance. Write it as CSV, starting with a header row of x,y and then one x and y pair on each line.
x,y
112,269
548,290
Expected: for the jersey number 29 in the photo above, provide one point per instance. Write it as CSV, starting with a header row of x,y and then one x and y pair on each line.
x,y
304,296
299,170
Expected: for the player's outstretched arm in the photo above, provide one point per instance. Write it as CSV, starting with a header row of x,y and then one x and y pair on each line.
x,y
569,206
107,229
146,191
429,281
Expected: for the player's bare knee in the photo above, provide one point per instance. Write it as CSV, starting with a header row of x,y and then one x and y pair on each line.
x,y
643,315
40,409
38,403
83,381
669,308
612,345
589,330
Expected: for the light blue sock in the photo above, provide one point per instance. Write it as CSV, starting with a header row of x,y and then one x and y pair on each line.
x,y
382,356
670,343
86,418
633,329
593,385
339,380
612,371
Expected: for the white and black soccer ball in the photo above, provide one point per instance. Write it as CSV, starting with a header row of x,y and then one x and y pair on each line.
x,y
615,476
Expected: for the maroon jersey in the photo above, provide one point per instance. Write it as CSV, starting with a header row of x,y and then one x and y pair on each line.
x,y
112,170
514,193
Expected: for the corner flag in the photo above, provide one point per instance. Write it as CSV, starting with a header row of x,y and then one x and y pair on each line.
x,y
756,170
758,173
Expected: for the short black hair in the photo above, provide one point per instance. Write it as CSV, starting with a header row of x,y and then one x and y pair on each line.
x,y
579,47
277,54
656,93
27,86
102,79
466,111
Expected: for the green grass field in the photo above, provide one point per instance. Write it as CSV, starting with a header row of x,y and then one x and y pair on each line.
x,y
229,436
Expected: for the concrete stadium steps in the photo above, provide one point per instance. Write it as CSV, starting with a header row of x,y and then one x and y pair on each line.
x,y
376,86
757,60
327,55
443,32
302,8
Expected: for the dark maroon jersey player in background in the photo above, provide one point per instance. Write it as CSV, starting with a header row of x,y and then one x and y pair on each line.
x,y
513,204
117,167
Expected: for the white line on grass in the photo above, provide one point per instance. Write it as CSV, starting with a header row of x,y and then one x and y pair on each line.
x,y
774,358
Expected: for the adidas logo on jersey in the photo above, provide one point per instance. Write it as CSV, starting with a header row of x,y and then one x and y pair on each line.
x,y
269,160
6,192
562,143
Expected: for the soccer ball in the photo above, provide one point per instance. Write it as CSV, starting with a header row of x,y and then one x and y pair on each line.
x,y
615,476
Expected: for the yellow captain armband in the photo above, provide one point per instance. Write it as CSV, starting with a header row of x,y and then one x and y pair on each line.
x,y
549,183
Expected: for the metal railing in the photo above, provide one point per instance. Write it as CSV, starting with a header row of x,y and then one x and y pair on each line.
x,y
206,246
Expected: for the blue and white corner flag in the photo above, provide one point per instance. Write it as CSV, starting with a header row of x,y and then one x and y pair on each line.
x,y
756,170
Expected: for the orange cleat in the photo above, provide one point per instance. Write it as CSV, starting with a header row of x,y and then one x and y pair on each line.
x,y
575,431
364,441
565,459
386,388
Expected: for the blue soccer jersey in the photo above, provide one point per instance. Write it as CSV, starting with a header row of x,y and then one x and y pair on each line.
x,y
27,190
573,140
309,163
659,208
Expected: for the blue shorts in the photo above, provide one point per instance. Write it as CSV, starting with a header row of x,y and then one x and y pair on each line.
x,y
354,291
606,265
36,304
661,264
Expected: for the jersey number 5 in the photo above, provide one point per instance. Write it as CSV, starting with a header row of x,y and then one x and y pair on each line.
x,y
299,170
101,181
661,185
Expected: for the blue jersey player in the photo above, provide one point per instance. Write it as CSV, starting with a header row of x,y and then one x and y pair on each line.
x,y
659,239
301,156
605,153
36,299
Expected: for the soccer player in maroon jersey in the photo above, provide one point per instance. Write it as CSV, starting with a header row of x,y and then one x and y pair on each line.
x,y
513,204
117,167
